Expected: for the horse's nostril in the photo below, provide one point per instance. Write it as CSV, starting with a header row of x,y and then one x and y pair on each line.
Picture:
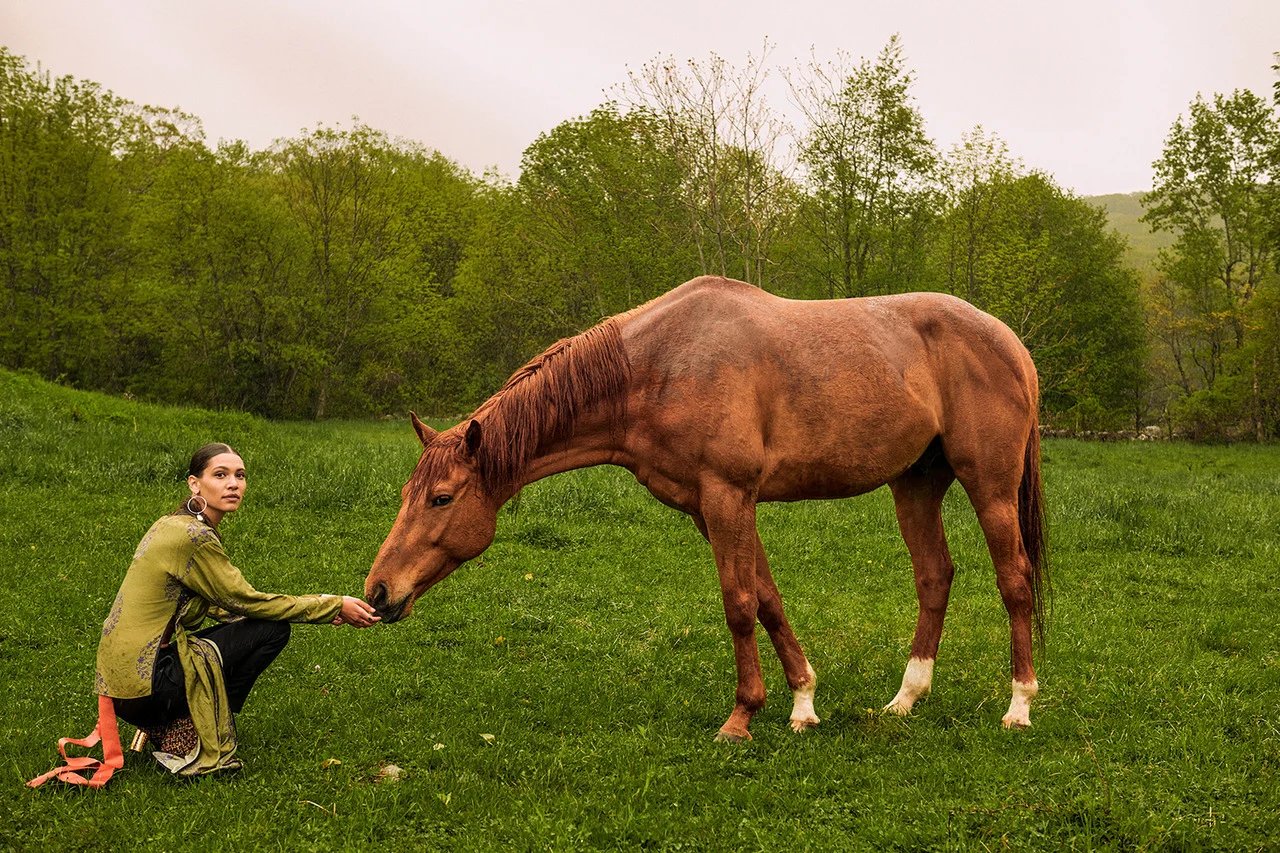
x,y
379,597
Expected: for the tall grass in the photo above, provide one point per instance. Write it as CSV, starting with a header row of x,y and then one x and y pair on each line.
x,y
561,692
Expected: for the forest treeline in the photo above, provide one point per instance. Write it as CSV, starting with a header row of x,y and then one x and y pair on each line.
x,y
342,272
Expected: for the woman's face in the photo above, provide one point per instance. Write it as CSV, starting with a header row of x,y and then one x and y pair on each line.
x,y
222,484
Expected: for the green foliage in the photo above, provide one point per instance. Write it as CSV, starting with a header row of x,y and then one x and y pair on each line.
x,y
1211,413
294,282
1261,354
1217,191
224,285
1046,264
64,225
869,166
589,642
599,198
345,273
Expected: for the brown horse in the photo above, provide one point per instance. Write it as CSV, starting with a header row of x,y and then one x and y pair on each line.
x,y
718,396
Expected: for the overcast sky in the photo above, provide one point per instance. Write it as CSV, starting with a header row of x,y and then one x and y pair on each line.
x,y
1085,90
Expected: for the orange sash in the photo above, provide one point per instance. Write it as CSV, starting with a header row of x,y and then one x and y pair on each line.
x,y
108,731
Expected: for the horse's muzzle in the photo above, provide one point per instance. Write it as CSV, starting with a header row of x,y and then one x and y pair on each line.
x,y
390,611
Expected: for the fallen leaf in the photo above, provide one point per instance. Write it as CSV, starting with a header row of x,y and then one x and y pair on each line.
x,y
330,762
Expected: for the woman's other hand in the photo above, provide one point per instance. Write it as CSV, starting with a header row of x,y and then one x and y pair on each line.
x,y
355,613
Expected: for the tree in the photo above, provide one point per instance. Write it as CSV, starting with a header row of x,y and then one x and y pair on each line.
x,y
1045,262
971,179
1275,87
869,168
1215,188
64,225
372,261
603,203
593,226
719,128
221,256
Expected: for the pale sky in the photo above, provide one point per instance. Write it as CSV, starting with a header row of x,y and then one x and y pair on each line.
x,y
1085,90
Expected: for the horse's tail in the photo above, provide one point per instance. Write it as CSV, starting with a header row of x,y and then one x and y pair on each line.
x,y
1032,525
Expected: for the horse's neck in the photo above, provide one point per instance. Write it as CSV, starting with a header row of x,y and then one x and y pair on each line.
x,y
596,440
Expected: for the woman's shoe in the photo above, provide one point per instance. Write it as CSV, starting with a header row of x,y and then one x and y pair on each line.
x,y
177,738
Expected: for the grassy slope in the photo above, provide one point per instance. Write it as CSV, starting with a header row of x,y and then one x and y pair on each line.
x,y
589,642
1124,213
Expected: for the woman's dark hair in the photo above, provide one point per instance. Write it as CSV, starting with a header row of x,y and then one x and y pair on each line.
x,y
205,455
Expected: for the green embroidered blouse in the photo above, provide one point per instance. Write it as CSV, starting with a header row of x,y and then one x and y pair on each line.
x,y
180,570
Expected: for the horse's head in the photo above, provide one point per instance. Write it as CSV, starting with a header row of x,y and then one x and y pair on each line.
x,y
446,518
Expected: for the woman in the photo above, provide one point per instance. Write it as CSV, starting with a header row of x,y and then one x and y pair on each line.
x,y
179,684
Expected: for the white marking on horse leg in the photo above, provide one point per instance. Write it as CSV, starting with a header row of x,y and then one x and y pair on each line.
x,y
1019,715
802,713
916,682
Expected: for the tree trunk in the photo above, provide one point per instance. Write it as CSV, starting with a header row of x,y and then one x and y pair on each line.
x,y
1257,403
322,398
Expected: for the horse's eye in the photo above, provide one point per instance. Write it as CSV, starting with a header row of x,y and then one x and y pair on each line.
x,y
441,500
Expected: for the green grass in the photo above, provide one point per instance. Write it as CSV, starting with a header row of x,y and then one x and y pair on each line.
x,y
589,642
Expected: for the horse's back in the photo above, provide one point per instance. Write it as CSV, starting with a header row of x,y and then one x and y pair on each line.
x,y
831,397
711,322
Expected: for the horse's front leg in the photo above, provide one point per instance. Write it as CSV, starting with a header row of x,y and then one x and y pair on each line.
x,y
729,515
800,675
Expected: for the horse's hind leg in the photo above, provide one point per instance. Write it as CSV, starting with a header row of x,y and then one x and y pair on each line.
x,y
998,516
800,675
917,499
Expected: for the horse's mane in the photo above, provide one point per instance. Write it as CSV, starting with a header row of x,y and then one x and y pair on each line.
x,y
537,406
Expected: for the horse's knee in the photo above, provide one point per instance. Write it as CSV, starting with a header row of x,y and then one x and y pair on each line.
x,y
740,611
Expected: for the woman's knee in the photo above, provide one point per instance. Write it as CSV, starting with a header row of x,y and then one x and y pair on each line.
x,y
271,633
280,632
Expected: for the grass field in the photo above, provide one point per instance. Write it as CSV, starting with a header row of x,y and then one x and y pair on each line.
x,y
562,691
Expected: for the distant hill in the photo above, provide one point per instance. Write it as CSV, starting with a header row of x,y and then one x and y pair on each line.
x,y
1124,212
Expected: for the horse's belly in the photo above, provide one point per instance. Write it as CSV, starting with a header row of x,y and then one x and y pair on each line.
x,y
795,482
844,459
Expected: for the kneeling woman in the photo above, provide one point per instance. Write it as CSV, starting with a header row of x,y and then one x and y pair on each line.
x,y
179,684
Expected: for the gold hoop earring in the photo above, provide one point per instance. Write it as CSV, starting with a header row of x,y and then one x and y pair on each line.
x,y
197,512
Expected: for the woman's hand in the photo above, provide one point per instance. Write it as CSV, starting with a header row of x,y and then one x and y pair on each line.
x,y
355,613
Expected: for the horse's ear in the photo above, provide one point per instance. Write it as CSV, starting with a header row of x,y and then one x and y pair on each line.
x,y
425,433
473,437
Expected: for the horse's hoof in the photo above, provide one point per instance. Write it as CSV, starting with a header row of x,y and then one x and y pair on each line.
x,y
901,709
730,737
798,726
1015,723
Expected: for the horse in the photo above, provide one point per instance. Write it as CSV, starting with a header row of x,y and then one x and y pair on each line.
x,y
717,396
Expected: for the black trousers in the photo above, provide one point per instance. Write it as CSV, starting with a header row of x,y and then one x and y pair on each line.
x,y
248,647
